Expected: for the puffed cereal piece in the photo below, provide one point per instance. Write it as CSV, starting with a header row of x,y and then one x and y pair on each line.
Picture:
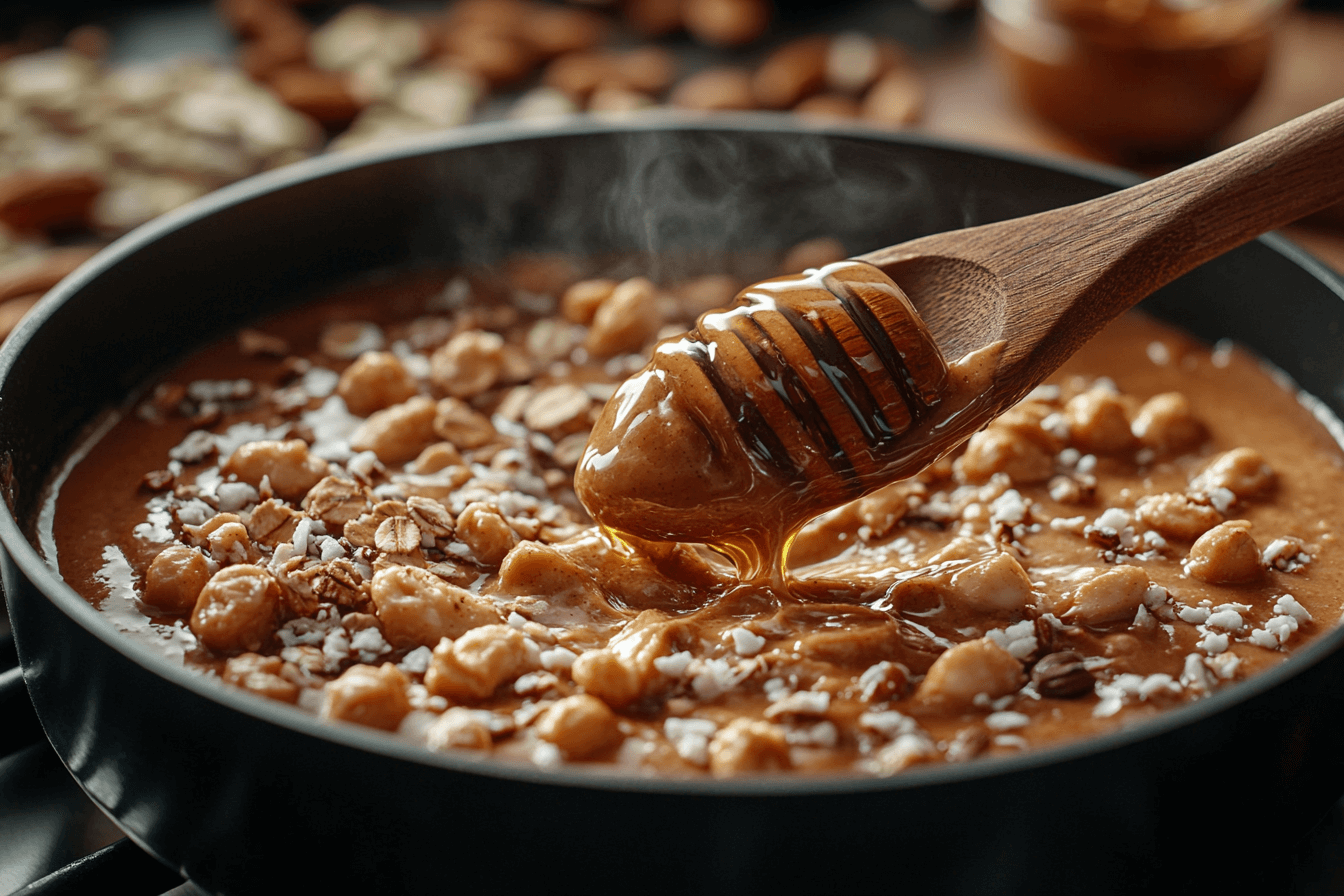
x,y
467,364
1113,596
997,584
969,669
292,470
260,675
1098,423
580,725
374,381
175,578
626,320
481,527
237,610
748,745
399,433
1167,424
474,665
1242,471
1225,555
1176,515
368,695
1001,450
416,607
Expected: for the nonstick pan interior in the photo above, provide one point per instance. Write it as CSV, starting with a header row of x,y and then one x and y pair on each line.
x,y
242,794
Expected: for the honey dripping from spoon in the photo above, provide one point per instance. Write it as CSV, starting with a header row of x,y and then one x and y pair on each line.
x,y
810,391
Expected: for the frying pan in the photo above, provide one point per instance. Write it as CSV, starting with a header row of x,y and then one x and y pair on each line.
x,y
246,795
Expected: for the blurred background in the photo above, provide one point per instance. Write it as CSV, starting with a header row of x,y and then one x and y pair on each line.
x,y
114,113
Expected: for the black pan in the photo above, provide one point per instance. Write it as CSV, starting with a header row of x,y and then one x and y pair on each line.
x,y
246,795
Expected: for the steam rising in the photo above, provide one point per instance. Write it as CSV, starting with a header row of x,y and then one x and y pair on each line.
x,y
689,201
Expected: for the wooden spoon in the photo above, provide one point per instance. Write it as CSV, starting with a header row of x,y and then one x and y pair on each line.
x,y
816,389
1049,282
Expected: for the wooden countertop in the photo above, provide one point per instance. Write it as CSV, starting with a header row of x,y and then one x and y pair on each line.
x,y
968,100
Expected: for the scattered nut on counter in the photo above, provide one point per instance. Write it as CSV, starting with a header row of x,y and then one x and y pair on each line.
x,y
90,150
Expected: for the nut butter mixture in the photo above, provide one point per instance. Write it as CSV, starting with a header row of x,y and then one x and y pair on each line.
x,y
365,508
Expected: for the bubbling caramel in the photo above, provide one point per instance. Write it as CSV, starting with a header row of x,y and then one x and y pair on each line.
x,y
811,391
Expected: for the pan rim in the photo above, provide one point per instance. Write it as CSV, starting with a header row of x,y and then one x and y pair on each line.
x,y
54,589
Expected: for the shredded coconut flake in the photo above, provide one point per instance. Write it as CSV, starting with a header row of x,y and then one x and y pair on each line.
x,y
1009,507
1287,605
800,703
745,641
1214,643
690,738
1006,720
674,665
557,658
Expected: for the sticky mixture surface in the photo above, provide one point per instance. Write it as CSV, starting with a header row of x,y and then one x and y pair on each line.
x,y
365,508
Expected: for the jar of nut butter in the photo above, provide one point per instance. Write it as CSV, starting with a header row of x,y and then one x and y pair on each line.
x,y
1137,80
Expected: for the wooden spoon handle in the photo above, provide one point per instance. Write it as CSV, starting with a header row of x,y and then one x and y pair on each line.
x,y
1144,237
1063,274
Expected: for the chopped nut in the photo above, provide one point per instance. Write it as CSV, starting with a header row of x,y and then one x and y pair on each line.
x,y
291,470
175,579
1062,675
580,726
1177,516
581,301
1226,554
476,664
261,675
968,744
157,480
558,410
468,364
626,321
336,502
457,422
398,433
715,90
748,745
350,339
483,528
1242,471
1112,596
237,609
375,380
368,695
417,607
272,522
255,342
1098,423
967,670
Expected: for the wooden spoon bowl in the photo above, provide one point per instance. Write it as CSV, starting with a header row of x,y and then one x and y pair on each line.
x,y
818,388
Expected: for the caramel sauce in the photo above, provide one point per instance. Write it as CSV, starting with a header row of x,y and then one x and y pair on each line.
x,y
812,390
981,568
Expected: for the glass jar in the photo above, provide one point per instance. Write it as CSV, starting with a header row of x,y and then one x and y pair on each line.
x,y
1136,79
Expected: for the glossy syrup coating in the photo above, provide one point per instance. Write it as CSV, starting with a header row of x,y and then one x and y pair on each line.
x,y
812,390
